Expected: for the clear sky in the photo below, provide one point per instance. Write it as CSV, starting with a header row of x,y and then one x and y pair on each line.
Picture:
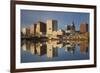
x,y
29,17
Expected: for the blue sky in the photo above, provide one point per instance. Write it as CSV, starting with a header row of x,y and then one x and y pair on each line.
x,y
29,17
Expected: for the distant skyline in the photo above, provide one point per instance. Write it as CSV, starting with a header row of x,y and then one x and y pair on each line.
x,y
29,17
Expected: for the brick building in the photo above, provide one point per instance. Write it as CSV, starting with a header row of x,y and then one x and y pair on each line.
x,y
83,27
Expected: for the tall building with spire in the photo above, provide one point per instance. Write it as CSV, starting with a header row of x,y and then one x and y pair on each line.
x,y
71,27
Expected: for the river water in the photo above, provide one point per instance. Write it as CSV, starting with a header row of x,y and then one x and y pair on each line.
x,y
53,50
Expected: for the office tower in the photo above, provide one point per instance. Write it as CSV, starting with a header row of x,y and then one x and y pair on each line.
x,y
41,28
51,26
83,27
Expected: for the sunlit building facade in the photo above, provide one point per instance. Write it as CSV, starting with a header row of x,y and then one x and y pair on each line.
x,y
51,26
23,30
32,30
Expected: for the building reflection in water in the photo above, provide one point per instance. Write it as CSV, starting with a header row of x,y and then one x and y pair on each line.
x,y
69,47
50,47
52,50
84,47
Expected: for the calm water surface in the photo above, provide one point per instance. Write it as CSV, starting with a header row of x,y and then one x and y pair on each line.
x,y
53,50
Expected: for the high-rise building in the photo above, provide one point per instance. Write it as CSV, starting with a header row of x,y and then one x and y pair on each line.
x,y
37,28
83,27
41,28
51,26
32,30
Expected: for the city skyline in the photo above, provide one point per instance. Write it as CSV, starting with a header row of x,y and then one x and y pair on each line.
x,y
40,28
29,17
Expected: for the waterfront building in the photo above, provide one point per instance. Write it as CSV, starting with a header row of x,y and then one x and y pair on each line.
x,y
40,28
27,31
32,30
23,30
83,27
54,33
71,27
60,32
37,28
51,26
